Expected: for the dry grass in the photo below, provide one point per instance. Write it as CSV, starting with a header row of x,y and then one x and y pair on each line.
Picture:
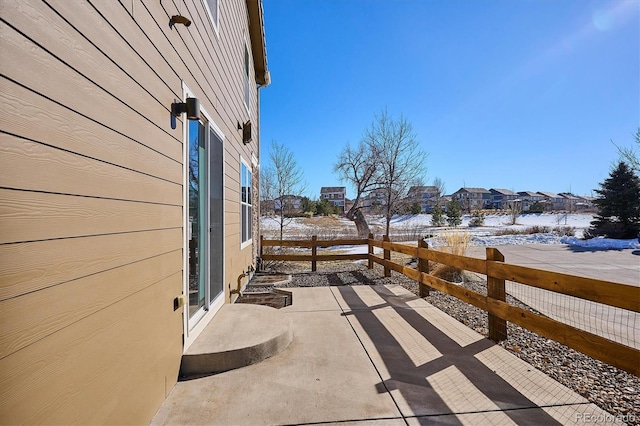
x,y
569,231
452,242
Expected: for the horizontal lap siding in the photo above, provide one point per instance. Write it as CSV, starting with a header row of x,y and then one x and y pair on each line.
x,y
213,66
31,216
91,195
91,222
102,369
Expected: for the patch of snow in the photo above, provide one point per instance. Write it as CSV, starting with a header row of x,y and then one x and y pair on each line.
x,y
270,223
502,240
602,243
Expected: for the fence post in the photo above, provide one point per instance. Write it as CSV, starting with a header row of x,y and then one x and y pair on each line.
x,y
314,252
370,265
423,266
496,290
387,256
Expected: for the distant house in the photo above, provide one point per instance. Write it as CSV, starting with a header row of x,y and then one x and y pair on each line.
x,y
267,207
570,201
501,197
585,202
426,196
336,195
528,198
291,204
472,198
552,201
373,200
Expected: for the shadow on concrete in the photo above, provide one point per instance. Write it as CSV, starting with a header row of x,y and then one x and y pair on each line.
x,y
636,252
411,381
578,249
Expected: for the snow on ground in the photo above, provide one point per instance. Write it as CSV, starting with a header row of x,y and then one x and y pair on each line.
x,y
601,243
481,236
576,220
508,240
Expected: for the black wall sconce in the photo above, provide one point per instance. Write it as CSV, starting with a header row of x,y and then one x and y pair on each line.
x,y
179,19
191,106
246,131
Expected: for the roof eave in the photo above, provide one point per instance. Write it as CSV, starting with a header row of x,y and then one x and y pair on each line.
x,y
258,42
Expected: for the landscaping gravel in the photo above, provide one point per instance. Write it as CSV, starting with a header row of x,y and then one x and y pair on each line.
x,y
613,390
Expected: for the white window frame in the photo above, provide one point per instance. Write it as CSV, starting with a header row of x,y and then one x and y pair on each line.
x,y
248,226
192,327
215,22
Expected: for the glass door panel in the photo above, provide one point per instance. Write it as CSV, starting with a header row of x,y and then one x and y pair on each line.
x,y
216,215
197,228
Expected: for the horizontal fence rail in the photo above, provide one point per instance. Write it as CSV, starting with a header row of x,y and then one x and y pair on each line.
x,y
586,290
313,244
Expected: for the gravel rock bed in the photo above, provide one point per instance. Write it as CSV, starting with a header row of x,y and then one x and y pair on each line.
x,y
613,390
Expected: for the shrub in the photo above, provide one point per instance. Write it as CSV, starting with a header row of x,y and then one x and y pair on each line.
x,y
565,231
538,229
568,231
477,219
536,207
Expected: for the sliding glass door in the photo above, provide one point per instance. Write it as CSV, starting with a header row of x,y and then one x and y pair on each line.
x,y
205,228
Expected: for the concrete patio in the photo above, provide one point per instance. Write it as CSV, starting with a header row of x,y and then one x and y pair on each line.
x,y
378,355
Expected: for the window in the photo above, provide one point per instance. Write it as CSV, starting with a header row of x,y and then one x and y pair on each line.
x,y
212,9
246,209
246,76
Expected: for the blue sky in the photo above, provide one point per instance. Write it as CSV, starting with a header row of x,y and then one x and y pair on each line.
x,y
522,95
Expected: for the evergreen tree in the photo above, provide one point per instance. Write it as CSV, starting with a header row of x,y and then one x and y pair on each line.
x,y
618,205
308,206
324,207
437,216
477,218
454,215
414,208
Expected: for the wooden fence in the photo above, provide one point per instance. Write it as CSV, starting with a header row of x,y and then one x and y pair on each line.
x,y
494,302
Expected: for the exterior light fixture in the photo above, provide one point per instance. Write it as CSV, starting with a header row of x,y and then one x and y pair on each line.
x,y
191,106
246,132
179,19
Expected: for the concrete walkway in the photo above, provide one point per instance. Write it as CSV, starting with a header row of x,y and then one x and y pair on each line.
x,y
619,266
378,355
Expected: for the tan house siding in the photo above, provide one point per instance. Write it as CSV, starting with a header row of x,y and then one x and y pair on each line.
x,y
91,197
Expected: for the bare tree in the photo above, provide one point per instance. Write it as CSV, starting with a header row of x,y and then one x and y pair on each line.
x,y
514,208
400,160
387,159
440,189
282,180
358,166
